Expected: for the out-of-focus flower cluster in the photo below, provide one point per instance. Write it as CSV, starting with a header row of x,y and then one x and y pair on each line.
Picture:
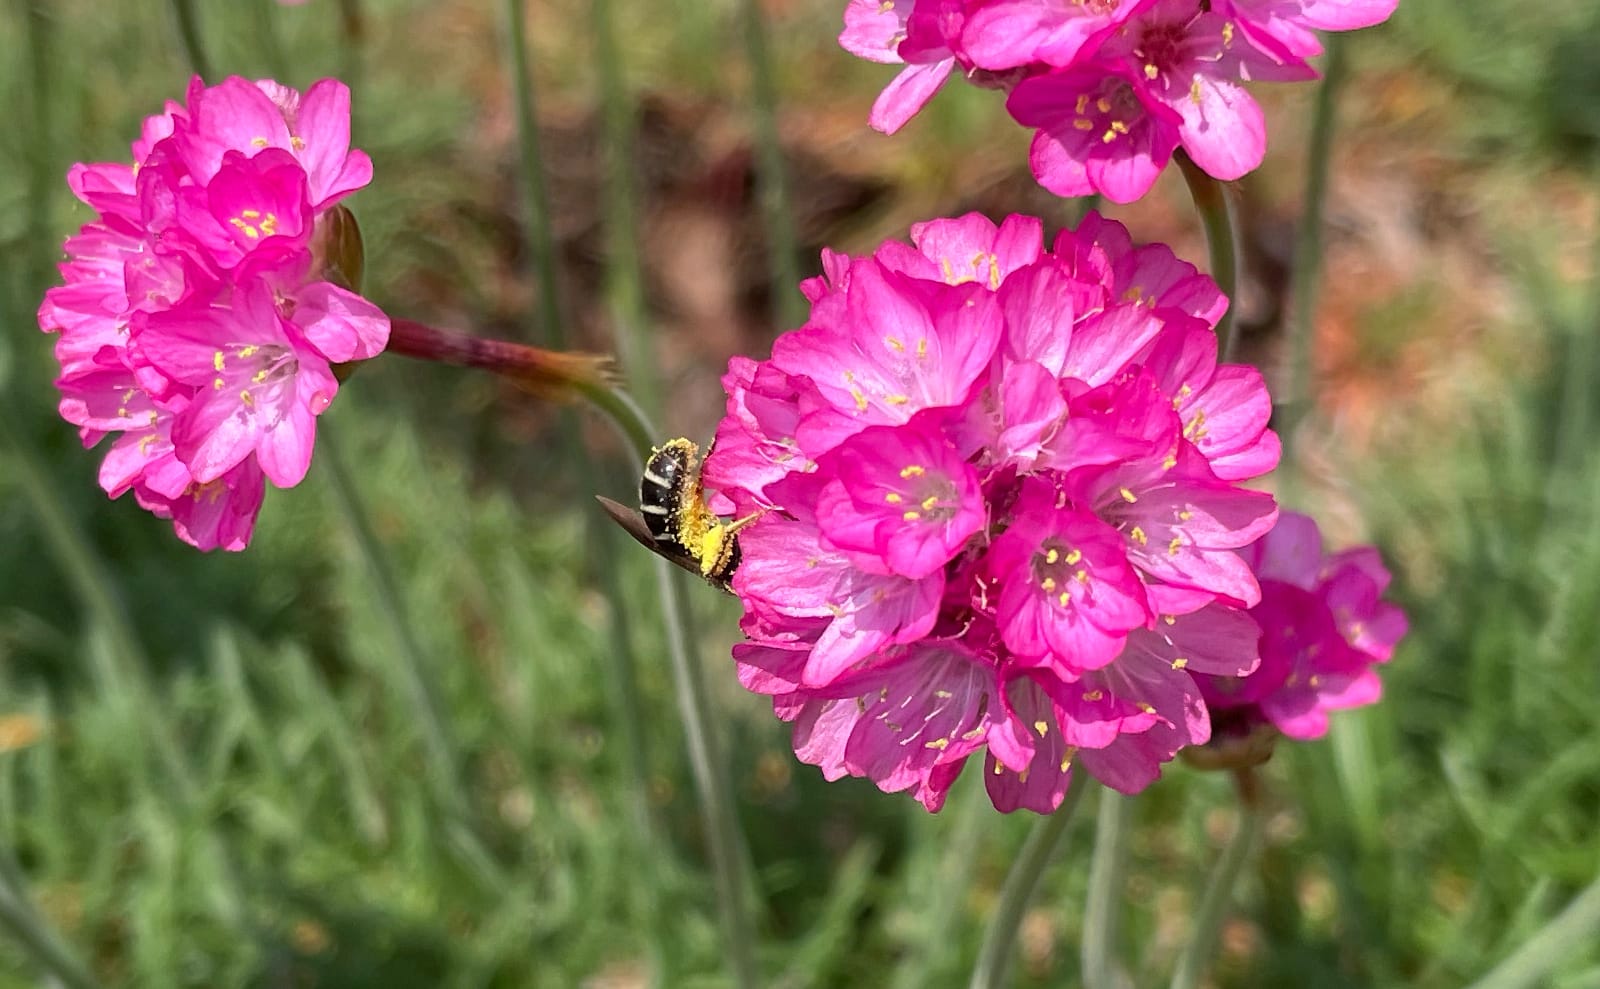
x,y
1324,628
197,323
999,508
1113,87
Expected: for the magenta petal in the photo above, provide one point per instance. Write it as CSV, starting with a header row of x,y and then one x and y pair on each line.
x,y
343,326
907,94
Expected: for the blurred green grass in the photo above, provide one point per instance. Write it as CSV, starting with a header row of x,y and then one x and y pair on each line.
x,y
231,785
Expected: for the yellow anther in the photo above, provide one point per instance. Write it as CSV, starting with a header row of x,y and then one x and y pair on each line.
x,y
1128,496
1146,708
258,142
897,399
217,361
922,347
911,516
1150,71
893,498
1093,695
1195,94
217,384
1073,556
943,695
1083,104
1042,727
248,350
297,143
1137,535
930,503
1170,619
1052,556
894,344
244,396
1064,598
861,400
939,744
1048,585
912,470
1174,546
1103,105
1180,663
1227,34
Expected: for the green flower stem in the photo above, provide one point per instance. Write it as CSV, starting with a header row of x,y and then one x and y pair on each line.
x,y
624,272
265,27
1574,929
188,22
724,838
352,41
994,956
788,304
1218,895
21,920
439,749
1307,270
1216,215
1102,908
535,193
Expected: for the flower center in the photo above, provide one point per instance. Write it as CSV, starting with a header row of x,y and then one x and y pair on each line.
x,y
1057,567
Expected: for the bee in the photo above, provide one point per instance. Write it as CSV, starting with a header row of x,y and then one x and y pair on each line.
x,y
674,520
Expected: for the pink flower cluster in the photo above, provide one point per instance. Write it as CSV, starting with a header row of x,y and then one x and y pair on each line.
x,y
1112,87
195,321
999,508
1323,630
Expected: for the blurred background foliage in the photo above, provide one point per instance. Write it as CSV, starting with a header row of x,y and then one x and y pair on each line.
x,y
222,770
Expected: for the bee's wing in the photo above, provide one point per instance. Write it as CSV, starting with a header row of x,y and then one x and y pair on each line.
x,y
634,524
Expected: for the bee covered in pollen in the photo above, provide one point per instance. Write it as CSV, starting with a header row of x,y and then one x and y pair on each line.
x,y
674,520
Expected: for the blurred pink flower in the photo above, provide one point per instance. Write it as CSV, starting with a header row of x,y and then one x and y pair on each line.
x,y
1324,630
1112,88
193,321
998,510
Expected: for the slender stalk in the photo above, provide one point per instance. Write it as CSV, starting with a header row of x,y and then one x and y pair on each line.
x,y
1218,895
42,173
1216,215
188,22
624,272
535,193
1572,441
724,837
266,33
1103,906
994,956
788,307
1307,271
1574,929
352,41
943,890
22,921
444,768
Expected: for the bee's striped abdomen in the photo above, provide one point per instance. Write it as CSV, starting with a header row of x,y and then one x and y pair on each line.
x,y
661,491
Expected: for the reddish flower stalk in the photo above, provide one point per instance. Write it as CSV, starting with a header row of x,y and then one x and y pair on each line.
x,y
547,373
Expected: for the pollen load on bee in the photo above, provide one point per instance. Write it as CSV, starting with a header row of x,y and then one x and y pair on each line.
x,y
685,529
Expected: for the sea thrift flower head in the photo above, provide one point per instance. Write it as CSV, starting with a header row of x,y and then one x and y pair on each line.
x,y
1324,630
998,510
1112,87
205,307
